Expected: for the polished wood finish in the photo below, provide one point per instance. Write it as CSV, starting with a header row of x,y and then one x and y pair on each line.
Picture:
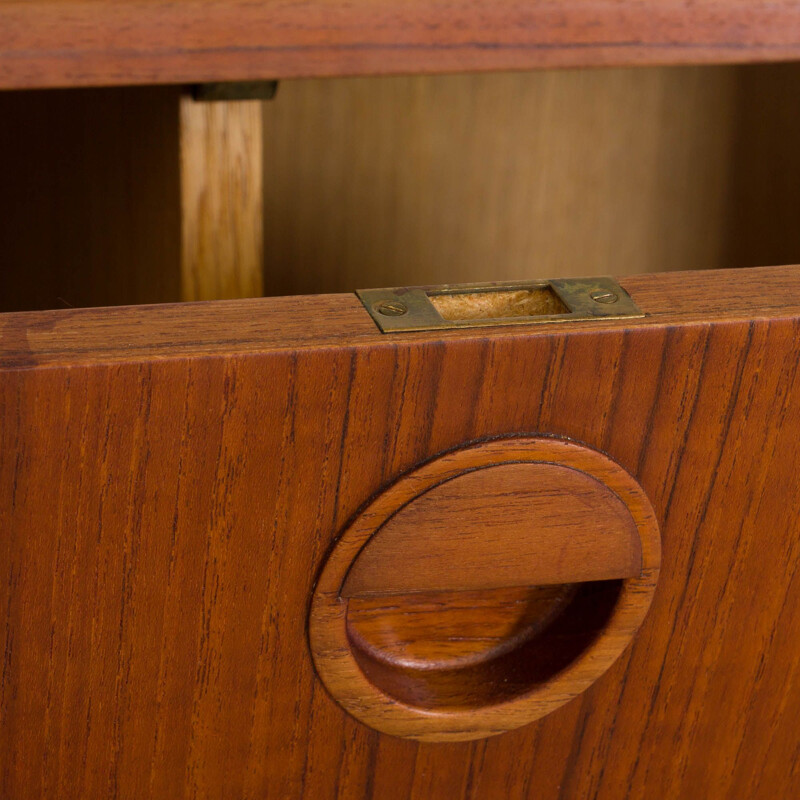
x,y
97,42
520,513
174,477
518,524
100,335
452,630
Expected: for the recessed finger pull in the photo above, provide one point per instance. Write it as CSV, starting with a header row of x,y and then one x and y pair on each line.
x,y
484,589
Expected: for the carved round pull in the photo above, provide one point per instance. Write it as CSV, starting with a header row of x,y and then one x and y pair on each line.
x,y
484,589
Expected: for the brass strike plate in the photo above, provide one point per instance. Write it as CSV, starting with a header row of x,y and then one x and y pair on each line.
x,y
470,305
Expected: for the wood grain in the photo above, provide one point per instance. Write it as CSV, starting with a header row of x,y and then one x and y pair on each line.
x,y
156,573
501,526
93,335
467,178
459,178
429,533
392,181
96,42
451,630
222,254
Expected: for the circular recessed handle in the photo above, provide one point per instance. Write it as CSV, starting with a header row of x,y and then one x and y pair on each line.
x,y
484,589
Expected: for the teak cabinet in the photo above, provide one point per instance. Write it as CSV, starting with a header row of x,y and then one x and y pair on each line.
x,y
175,477
535,539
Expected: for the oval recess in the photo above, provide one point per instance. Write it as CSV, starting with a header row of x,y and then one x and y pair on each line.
x,y
484,589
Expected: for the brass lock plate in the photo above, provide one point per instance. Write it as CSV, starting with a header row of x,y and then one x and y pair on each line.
x,y
469,305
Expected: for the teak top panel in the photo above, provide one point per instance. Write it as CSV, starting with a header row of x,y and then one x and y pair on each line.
x,y
98,42
135,333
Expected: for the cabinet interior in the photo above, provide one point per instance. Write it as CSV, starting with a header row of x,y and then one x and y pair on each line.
x,y
141,195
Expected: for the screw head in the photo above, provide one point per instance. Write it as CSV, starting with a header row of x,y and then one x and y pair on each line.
x,y
603,296
392,308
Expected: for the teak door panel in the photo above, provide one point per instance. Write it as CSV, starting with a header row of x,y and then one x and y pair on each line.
x,y
173,478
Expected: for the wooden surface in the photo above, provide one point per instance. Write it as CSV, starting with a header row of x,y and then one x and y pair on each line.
x,y
509,513
96,42
465,178
173,479
221,199
261,325
459,178
451,630
134,195
501,526
394,181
